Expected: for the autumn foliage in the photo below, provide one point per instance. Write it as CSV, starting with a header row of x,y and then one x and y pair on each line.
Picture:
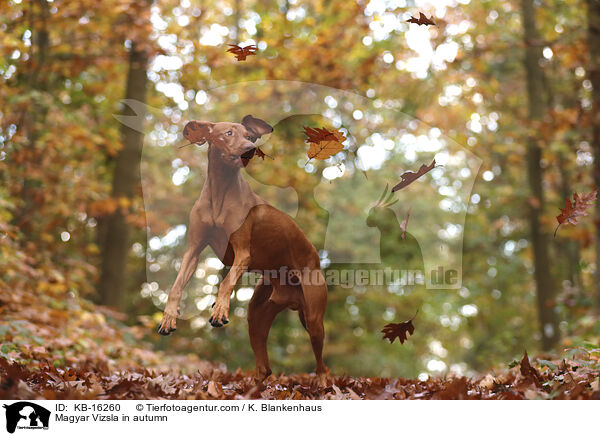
x,y
76,350
64,68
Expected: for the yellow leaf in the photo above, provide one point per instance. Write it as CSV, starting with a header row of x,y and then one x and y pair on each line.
x,y
325,149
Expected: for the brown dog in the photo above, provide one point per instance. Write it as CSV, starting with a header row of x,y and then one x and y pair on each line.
x,y
249,234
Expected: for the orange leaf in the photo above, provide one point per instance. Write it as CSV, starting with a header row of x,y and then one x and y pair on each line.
x,y
323,143
575,209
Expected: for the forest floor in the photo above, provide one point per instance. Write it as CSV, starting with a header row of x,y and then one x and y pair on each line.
x,y
54,347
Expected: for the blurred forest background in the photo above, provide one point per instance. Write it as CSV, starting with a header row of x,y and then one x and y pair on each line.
x,y
516,83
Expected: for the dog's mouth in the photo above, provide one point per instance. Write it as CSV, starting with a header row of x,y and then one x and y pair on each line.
x,y
245,157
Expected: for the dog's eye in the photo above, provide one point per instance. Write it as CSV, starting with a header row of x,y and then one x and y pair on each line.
x,y
229,133
249,138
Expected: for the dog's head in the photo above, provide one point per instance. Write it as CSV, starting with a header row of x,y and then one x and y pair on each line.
x,y
232,143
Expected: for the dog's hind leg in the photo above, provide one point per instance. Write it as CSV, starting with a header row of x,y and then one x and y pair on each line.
x,y
313,312
261,313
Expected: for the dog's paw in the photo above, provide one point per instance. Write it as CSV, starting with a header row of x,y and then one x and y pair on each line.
x,y
168,325
261,375
323,381
215,322
218,317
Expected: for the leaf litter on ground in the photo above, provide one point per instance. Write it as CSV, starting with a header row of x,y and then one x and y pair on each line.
x,y
78,350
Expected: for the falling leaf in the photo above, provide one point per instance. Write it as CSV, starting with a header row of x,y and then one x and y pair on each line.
x,y
403,224
323,143
575,209
422,20
401,330
408,177
242,53
316,135
325,149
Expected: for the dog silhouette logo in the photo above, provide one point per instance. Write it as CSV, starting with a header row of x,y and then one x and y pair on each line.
x,y
26,415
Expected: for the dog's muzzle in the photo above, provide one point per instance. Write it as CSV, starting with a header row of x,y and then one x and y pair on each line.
x,y
245,157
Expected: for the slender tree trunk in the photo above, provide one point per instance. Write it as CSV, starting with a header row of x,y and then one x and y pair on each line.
x,y
594,70
569,249
565,249
536,110
126,181
25,216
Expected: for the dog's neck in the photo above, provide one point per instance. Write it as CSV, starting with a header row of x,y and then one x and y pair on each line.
x,y
226,184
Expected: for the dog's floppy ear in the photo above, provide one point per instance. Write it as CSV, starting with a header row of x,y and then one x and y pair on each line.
x,y
256,127
197,132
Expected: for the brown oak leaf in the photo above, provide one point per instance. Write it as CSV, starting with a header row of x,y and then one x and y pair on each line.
x,y
400,330
408,177
316,134
575,209
422,20
241,53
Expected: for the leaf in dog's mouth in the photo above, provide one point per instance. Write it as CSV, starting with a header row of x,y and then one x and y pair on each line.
x,y
249,154
245,157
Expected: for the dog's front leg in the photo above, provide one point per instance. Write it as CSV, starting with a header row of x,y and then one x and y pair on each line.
x,y
197,241
241,261
220,312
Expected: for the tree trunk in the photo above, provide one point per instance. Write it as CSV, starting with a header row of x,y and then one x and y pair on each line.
x,y
568,249
25,216
126,181
536,110
594,71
